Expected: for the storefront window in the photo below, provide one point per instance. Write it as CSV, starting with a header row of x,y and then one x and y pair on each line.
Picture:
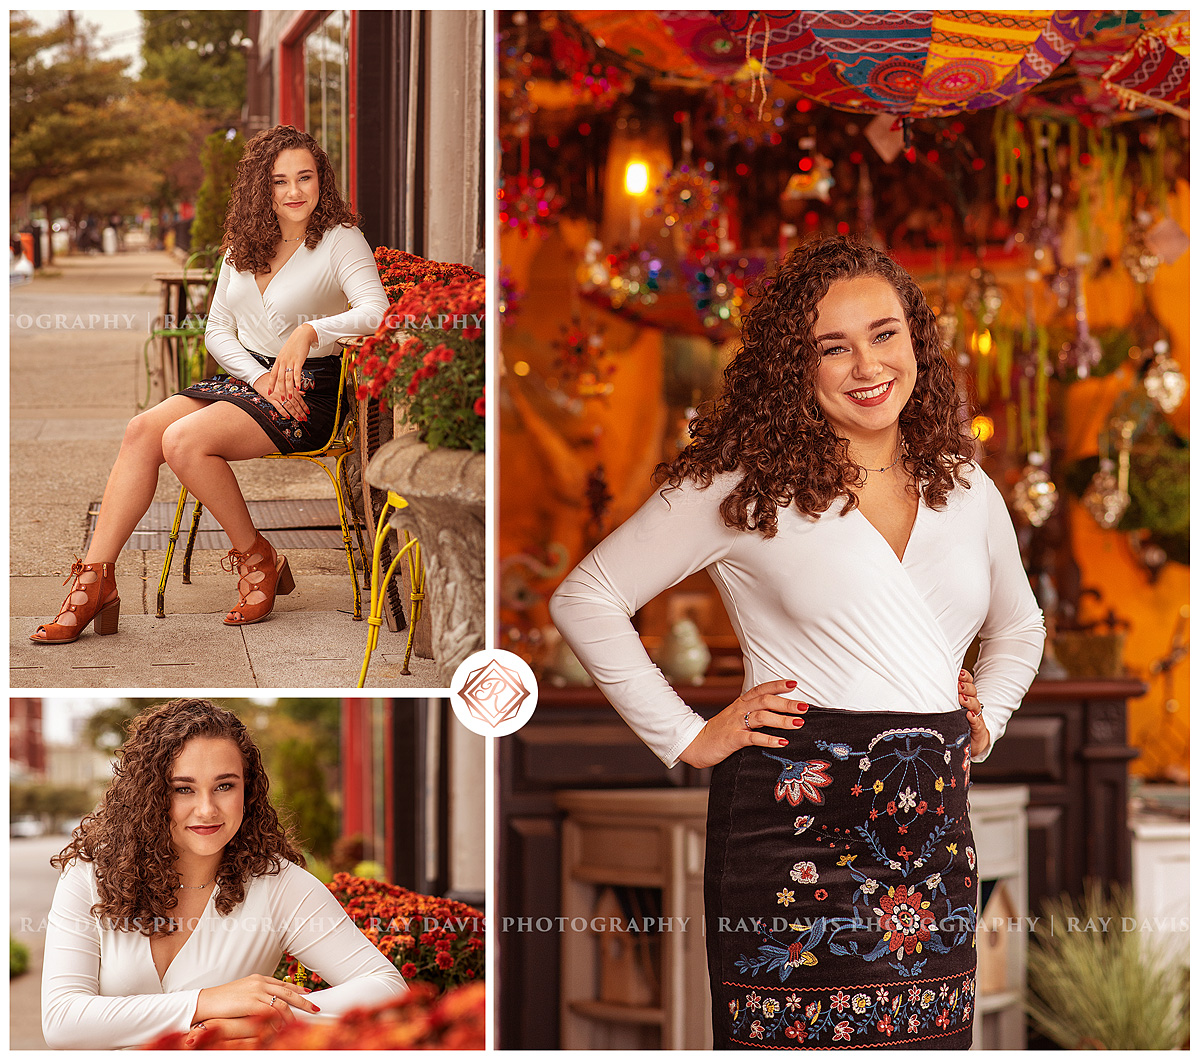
x,y
327,90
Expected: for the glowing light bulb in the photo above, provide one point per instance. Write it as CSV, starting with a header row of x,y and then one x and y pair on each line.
x,y
637,178
983,428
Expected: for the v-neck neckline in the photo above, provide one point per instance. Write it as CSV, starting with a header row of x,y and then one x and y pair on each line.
x,y
171,964
262,291
900,557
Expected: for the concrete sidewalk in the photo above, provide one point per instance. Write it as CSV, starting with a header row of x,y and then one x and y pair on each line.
x,y
77,376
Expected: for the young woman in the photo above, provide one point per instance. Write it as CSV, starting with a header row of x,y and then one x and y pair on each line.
x,y
293,259
181,893
831,496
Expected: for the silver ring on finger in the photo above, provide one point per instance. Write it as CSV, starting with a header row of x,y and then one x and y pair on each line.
x,y
274,999
746,721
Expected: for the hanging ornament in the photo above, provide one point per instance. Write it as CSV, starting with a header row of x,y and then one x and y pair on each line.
x,y
738,121
689,202
1140,261
582,365
508,302
717,286
599,497
1083,353
625,274
813,177
1106,497
947,326
1035,494
528,204
1164,381
983,298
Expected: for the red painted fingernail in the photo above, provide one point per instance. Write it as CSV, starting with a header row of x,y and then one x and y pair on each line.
x,y
782,741
316,1008
797,722
791,685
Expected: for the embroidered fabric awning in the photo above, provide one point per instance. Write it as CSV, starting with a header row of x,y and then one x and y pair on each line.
x,y
910,63
1155,72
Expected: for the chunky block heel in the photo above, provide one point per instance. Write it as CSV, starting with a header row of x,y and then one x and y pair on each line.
x,y
107,618
285,583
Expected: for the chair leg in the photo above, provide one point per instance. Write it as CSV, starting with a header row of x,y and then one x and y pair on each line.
x,y
166,570
354,517
416,574
197,512
341,504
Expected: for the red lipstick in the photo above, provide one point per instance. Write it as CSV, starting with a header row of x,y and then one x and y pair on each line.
x,y
876,400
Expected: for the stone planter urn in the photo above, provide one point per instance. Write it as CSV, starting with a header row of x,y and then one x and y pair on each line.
x,y
445,491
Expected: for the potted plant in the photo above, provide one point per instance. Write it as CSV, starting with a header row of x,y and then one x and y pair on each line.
x,y
426,361
1098,980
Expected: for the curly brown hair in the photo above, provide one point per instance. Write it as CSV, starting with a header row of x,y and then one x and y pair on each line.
x,y
251,226
768,424
128,836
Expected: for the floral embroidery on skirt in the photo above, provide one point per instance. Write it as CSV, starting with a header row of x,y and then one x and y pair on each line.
x,y
840,888
320,384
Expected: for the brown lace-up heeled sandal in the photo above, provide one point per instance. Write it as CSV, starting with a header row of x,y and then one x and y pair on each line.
x,y
93,597
262,575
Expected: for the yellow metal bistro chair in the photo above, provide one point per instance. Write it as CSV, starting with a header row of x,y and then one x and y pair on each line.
x,y
416,573
339,446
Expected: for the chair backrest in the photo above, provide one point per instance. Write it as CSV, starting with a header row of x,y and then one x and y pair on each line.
x,y
210,276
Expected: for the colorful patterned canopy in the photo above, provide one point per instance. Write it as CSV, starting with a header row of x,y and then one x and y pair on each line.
x,y
912,63
1155,72
1128,59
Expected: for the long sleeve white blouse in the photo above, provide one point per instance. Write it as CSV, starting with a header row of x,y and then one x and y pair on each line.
x,y
100,988
826,603
311,287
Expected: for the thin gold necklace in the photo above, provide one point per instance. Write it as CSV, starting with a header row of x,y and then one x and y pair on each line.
x,y
195,887
888,468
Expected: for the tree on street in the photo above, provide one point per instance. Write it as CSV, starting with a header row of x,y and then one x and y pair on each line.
x,y
199,58
85,137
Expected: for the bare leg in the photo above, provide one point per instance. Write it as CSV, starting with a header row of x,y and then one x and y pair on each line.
x,y
198,449
128,494
134,476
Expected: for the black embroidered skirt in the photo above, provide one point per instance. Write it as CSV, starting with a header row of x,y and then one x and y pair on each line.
x,y
839,886
321,376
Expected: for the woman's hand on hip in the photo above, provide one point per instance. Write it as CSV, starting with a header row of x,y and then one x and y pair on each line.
x,y
283,381
739,724
251,996
294,407
980,738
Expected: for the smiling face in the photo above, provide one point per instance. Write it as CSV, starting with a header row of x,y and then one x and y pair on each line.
x,y
207,785
868,369
295,187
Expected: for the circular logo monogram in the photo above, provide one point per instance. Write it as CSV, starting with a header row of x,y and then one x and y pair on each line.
x,y
493,693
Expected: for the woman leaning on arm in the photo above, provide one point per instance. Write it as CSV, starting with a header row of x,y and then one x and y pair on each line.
x,y
832,497
181,893
293,259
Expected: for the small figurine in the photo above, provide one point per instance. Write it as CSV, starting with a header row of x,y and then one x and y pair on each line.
x,y
683,655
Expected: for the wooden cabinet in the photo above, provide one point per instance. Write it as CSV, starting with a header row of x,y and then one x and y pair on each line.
x,y
651,839
998,822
